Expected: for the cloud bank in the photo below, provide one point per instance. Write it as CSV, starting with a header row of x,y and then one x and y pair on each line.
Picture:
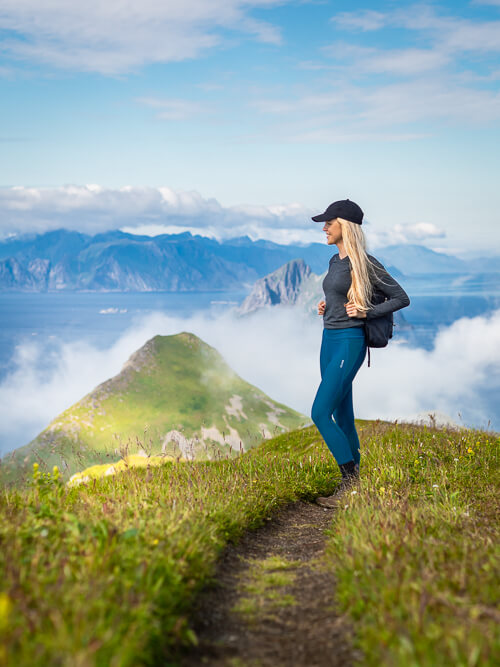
x,y
278,351
146,210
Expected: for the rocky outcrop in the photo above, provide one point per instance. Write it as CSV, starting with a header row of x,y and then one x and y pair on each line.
x,y
293,284
280,287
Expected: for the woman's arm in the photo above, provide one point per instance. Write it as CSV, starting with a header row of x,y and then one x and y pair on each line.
x,y
397,298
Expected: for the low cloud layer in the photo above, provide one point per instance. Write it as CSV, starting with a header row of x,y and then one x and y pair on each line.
x,y
146,210
278,351
93,209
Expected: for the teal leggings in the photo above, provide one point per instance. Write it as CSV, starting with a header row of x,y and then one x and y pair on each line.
x,y
342,353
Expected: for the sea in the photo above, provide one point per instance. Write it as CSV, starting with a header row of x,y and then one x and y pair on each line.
x,y
101,318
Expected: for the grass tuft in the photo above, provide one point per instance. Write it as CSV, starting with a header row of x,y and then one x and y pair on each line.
x,y
415,549
106,572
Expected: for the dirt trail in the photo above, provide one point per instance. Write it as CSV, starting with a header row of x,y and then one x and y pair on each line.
x,y
285,614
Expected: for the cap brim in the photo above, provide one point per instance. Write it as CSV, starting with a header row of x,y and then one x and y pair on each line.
x,y
320,218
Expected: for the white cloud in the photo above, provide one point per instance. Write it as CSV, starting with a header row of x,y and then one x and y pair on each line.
x,y
172,109
387,112
407,61
117,36
418,231
459,375
388,94
278,351
450,33
366,20
151,211
409,233
93,208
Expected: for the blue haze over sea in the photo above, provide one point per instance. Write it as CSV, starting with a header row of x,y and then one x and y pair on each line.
x,y
101,318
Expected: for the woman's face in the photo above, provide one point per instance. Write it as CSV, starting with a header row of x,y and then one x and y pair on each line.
x,y
333,231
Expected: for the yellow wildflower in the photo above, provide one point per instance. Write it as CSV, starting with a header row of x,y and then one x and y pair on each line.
x,y
5,605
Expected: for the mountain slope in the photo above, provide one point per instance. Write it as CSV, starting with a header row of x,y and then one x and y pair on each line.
x,y
416,259
175,396
292,284
280,287
119,261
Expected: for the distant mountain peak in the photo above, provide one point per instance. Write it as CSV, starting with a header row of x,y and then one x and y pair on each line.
x,y
113,260
281,286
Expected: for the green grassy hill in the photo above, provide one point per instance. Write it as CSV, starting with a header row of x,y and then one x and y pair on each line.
x,y
175,397
106,573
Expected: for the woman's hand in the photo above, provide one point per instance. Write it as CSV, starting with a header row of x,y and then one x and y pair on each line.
x,y
321,307
352,311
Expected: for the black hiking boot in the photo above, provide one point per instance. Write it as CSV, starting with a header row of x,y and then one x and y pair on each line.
x,y
350,471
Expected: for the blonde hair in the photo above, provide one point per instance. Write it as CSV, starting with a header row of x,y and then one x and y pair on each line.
x,y
363,273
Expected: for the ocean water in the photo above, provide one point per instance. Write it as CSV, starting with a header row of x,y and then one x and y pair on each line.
x,y
428,313
99,318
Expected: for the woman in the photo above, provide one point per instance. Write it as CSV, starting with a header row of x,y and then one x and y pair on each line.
x,y
348,288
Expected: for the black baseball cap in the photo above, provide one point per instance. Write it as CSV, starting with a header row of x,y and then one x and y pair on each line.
x,y
345,208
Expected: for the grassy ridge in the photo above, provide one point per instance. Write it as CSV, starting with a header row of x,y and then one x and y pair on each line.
x,y
174,383
415,548
105,573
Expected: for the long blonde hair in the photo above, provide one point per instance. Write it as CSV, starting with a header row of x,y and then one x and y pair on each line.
x,y
362,268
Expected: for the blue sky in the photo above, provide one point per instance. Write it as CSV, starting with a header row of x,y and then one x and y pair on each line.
x,y
229,117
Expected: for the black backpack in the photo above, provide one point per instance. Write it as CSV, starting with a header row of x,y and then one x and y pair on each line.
x,y
378,331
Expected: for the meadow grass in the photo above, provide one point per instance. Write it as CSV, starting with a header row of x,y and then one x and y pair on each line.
x,y
106,573
415,548
172,383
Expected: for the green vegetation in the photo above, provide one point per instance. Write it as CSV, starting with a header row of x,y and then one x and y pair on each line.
x,y
106,572
415,548
175,396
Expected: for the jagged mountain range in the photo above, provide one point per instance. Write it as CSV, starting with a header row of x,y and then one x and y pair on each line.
x,y
118,261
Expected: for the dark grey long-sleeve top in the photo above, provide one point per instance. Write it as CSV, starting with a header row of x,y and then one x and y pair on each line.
x,y
337,283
